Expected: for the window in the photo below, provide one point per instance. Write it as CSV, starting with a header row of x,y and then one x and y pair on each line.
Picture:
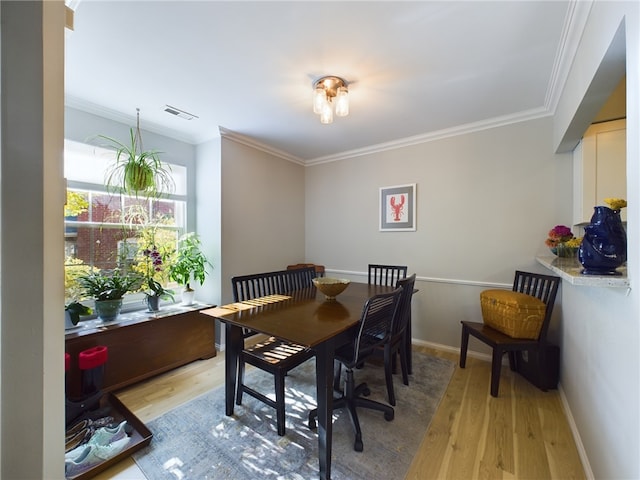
x,y
105,230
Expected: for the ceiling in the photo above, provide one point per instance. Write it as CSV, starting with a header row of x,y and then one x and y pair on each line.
x,y
416,70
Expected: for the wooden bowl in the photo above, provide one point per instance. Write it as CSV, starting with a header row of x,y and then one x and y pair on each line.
x,y
331,287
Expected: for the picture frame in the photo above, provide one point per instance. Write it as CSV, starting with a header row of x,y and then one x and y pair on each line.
x,y
398,208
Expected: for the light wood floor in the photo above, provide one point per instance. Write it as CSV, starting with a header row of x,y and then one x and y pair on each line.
x,y
522,434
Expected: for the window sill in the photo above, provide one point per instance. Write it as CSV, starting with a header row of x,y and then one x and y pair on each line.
x,y
570,270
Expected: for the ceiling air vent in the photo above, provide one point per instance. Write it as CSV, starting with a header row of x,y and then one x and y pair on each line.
x,y
179,113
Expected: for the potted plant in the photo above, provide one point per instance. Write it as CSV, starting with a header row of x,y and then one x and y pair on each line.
x,y
107,289
153,264
189,263
136,171
73,311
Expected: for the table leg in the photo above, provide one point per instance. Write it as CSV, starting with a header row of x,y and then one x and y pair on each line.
x,y
324,378
234,343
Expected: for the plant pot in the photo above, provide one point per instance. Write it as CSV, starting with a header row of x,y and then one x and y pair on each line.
x,y
68,323
153,303
138,178
188,296
108,310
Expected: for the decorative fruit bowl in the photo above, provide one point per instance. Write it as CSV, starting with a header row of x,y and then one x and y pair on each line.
x,y
331,287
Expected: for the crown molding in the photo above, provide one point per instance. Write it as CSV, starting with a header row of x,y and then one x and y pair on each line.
x,y
578,13
251,142
433,136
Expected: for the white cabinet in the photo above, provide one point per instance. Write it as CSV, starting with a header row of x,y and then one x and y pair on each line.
x,y
599,169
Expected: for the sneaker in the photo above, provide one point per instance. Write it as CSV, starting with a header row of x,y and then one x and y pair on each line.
x,y
106,435
92,455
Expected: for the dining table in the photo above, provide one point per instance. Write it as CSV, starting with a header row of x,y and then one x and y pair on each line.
x,y
304,317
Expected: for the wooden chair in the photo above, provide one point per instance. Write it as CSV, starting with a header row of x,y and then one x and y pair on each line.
x,y
319,268
397,344
271,355
389,275
386,274
374,330
543,287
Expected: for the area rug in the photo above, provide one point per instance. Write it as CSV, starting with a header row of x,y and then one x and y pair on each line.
x,y
198,441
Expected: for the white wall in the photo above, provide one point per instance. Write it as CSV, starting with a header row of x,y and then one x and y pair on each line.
x,y
601,337
31,294
485,202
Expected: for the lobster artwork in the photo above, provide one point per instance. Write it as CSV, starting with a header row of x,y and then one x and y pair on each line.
x,y
397,209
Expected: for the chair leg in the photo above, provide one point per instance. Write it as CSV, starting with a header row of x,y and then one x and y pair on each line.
x,y
464,343
336,376
239,389
496,366
512,361
388,374
280,403
350,400
404,364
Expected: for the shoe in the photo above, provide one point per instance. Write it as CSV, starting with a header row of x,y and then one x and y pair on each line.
x,y
77,439
91,455
106,435
100,438
87,423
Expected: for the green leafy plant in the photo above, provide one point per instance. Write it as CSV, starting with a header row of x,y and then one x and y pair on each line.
x,y
189,261
136,171
76,309
109,285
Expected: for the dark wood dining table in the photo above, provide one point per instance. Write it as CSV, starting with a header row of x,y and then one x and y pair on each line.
x,y
306,318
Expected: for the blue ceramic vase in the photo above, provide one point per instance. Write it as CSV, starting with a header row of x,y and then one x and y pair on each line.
x,y
604,246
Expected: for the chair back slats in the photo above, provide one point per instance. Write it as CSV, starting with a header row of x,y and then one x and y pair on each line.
x,y
543,287
376,321
386,274
403,313
248,287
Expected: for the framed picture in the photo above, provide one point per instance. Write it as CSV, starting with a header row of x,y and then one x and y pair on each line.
x,y
398,208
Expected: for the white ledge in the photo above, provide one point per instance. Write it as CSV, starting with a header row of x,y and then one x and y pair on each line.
x,y
571,270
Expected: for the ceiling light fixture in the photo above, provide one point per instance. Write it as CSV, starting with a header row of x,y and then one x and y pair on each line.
x,y
328,91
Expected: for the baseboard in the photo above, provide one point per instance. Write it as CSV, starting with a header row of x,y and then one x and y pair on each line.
x,y
565,404
447,348
576,435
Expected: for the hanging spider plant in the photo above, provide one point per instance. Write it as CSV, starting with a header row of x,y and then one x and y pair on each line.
x,y
137,172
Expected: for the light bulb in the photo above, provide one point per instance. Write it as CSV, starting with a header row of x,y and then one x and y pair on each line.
x,y
319,99
342,102
326,116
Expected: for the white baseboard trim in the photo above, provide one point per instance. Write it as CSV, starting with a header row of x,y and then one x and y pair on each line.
x,y
576,435
447,348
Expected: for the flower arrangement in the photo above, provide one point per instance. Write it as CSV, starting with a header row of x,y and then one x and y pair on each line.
x,y
562,242
558,234
154,262
615,203
574,242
